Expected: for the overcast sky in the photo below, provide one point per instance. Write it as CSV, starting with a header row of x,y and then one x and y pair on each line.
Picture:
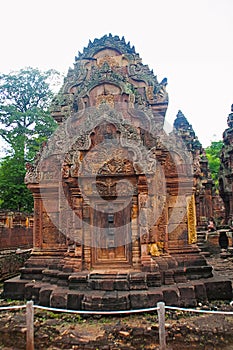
x,y
188,41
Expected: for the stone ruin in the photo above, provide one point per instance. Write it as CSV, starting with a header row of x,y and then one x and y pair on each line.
x,y
206,199
15,231
226,170
208,202
114,195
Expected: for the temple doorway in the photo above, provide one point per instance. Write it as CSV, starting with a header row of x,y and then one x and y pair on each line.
x,y
111,233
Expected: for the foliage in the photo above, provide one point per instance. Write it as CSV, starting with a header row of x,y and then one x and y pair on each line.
x,y
213,155
25,120
25,97
13,192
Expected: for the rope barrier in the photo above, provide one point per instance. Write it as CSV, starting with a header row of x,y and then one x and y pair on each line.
x,y
15,307
112,312
115,312
200,311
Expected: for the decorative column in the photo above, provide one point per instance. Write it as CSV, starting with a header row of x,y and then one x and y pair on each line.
x,y
191,216
136,259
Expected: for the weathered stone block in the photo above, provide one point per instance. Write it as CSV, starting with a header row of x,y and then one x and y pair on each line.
x,y
154,296
14,287
35,292
138,299
78,281
168,277
31,273
63,279
197,272
171,295
153,279
28,291
218,289
200,291
58,298
51,276
111,300
121,284
180,275
145,299
187,295
137,280
101,284
92,300
32,291
44,295
74,300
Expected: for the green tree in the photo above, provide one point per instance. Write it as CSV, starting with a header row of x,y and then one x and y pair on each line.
x,y
13,192
25,97
213,155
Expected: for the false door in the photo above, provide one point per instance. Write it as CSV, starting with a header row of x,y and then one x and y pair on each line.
x,y
111,234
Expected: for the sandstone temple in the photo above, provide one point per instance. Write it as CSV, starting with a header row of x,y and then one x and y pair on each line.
x,y
115,195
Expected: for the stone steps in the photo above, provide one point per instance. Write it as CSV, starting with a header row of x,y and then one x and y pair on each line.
x,y
179,294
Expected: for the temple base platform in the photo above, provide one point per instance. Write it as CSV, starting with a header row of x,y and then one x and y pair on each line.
x,y
120,291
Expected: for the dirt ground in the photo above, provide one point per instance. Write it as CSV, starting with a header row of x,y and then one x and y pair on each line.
x,y
136,331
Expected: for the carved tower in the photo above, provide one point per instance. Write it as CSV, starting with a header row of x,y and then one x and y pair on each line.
x,y
113,193
204,188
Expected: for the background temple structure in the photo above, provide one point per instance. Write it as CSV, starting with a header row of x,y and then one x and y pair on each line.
x,y
208,202
226,170
114,194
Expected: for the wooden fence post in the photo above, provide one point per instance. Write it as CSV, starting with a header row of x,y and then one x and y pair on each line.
x,y
30,325
161,317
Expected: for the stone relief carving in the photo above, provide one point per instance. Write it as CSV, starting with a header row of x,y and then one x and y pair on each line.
x,y
109,187
149,93
160,92
74,169
196,164
138,71
115,61
32,174
65,170
103,74
108,99
116,166
75,76
125,188
191,216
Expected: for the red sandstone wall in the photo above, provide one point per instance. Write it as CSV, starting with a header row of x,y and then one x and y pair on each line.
x,y
16,237
10,263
